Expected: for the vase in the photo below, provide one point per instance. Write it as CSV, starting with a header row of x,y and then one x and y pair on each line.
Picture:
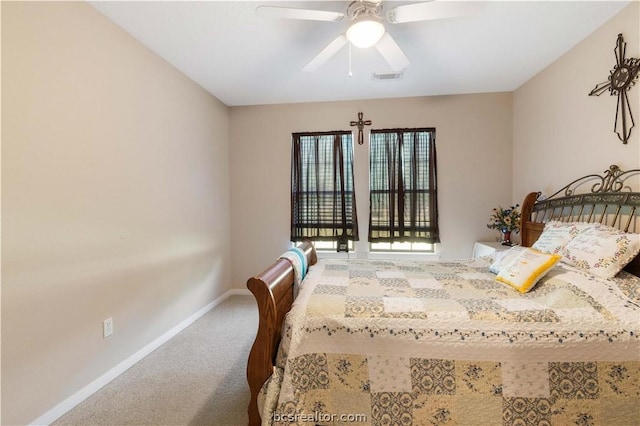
x,y
506,238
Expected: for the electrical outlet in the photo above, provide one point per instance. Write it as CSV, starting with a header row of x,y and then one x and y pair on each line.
x,y
107,327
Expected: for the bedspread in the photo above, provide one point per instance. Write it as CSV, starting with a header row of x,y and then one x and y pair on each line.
x,y
440,343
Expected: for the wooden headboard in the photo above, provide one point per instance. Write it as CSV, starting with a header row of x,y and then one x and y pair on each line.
x,y
273,291
605,198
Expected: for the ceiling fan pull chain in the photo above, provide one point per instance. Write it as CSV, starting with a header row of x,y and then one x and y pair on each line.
x,y
350,73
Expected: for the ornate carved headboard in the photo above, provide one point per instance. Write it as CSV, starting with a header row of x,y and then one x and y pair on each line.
x,y
606,198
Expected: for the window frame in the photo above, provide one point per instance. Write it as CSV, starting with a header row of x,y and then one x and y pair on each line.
x,y
394,173
433,249
336,181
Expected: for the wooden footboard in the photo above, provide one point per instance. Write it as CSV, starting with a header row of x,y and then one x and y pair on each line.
x,y
273,290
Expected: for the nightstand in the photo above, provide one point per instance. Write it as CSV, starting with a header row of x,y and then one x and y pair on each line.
x,y
484,248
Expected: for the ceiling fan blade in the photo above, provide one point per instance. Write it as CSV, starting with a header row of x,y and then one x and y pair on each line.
x,y
292,13
430,10
326,53
392,53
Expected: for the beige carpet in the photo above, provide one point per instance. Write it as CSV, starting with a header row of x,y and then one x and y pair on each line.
x,y
196,378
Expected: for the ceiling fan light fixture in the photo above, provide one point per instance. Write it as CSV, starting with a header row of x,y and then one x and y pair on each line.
x,y
365,32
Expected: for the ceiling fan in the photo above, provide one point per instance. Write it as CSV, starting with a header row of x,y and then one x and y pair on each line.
x,y
367,25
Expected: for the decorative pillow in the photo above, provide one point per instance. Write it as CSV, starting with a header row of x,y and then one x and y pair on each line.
x,y
527,269
298,260
504,257
602,251
556,235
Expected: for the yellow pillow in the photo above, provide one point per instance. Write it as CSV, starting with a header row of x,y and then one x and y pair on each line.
x,y
527,268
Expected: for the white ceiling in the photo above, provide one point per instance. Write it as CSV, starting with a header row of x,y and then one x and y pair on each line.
x,y
244,59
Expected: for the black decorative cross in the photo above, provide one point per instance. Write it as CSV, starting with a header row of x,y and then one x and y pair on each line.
x,y
361,123
621,78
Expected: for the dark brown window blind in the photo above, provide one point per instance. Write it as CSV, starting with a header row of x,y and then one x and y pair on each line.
x,y
323,202
403,188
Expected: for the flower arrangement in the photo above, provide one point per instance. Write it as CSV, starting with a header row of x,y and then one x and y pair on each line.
x,y
505,220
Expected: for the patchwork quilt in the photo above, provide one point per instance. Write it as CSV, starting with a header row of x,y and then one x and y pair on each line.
x,y
443,343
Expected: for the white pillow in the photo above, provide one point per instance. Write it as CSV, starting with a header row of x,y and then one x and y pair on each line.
x,y
504,257
527,269
556,235
603,251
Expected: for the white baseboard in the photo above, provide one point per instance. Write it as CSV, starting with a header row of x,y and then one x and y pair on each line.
x,y
75,399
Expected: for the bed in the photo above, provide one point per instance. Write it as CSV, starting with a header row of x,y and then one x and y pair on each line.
x,y
405,342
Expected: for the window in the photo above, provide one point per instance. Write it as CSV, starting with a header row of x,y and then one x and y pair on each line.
x,y
323,205
330,246
403,190
402,247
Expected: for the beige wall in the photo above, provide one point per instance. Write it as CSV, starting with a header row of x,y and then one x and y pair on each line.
x,y
473,135
115,196
560,133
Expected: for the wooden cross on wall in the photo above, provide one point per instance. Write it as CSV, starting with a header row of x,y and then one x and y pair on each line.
x,y
361,123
